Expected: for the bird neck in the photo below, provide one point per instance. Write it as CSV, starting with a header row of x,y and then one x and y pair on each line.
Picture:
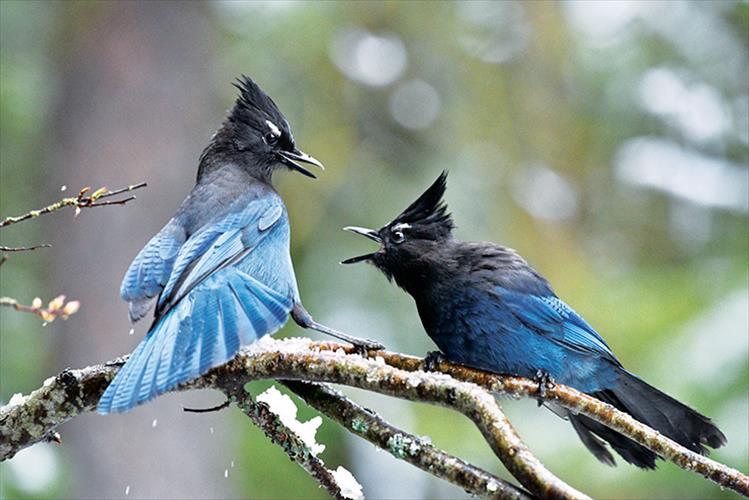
x,y
220,154
232,179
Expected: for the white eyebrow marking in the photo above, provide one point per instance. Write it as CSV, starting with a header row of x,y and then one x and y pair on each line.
x,y
273,128
400,226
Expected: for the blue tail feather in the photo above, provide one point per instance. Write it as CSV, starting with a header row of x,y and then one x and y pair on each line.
x,y
202,331
227,309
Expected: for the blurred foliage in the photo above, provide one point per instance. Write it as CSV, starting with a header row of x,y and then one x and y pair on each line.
x,y
607,142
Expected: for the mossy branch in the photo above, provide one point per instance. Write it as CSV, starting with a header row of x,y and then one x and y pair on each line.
x,y
28,420
402,445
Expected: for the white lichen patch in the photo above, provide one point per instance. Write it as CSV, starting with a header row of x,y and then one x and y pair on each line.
x,y
350,487
49,382
270,344
285,409
15,400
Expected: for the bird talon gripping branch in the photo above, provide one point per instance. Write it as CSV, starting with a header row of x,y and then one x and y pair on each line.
x,y
432,361
545,381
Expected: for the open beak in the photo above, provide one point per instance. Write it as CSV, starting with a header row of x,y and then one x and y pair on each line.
x,y
290,159
367,233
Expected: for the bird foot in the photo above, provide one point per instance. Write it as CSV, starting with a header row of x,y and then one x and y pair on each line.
x,y
363,346
544,381
432,360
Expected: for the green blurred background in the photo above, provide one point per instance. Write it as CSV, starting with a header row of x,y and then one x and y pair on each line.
x,y
608,142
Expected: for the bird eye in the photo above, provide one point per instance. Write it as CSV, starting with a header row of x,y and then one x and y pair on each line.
x,y
397,237
270,138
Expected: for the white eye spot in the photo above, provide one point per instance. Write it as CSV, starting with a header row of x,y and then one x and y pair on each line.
x,y
398,237
273,128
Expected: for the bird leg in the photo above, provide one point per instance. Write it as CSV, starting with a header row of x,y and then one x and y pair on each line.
x,y
302,318
544,381
432,360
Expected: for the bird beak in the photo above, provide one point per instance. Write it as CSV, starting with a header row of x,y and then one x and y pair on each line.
x,y
367,233
290,159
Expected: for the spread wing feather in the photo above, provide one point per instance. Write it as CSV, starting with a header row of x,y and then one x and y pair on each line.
x,y
151,268
206,314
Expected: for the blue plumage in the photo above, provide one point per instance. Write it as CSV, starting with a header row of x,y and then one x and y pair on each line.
x,y
211,304
219,271
486,307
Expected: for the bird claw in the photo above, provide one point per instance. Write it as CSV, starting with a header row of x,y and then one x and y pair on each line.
x,y
544,381
432,360
363,346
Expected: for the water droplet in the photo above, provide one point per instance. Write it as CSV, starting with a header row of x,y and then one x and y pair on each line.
x,y
132,331
63,188
45,323
231,464
127,488
211,429
155,422
226,472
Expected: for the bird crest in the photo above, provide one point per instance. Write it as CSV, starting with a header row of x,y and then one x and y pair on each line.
x,y
429,212
255,107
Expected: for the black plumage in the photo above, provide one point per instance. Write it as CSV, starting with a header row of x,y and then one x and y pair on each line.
x,y
487,308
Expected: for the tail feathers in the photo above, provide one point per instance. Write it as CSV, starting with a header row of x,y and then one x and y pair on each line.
x,y
672,418
591,442
590,431
653,408
205,330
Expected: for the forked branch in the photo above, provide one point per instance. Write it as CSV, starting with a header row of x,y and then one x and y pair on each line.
x,y
27,420
84,199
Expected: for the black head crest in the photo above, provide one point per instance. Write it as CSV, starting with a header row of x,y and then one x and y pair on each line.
x,y
429,212
253,106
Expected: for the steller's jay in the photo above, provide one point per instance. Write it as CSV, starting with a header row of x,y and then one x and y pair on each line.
x,y
485,307
219,272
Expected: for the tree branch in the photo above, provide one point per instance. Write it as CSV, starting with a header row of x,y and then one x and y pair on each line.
x,y
27,420
82,200
599,411
73,391
414,450
282,436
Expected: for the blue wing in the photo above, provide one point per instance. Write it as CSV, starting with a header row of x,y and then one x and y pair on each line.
x,y
151,268
216,299
554,319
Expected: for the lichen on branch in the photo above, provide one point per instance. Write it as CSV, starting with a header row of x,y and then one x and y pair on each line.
x,y
32,418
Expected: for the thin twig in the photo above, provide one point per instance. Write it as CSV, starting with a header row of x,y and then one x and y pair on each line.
x,y
402,445
108,203
82,200
220,407
57,307
127,189
24,249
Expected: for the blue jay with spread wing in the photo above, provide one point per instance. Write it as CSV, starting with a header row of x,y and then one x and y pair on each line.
x,y
219,273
